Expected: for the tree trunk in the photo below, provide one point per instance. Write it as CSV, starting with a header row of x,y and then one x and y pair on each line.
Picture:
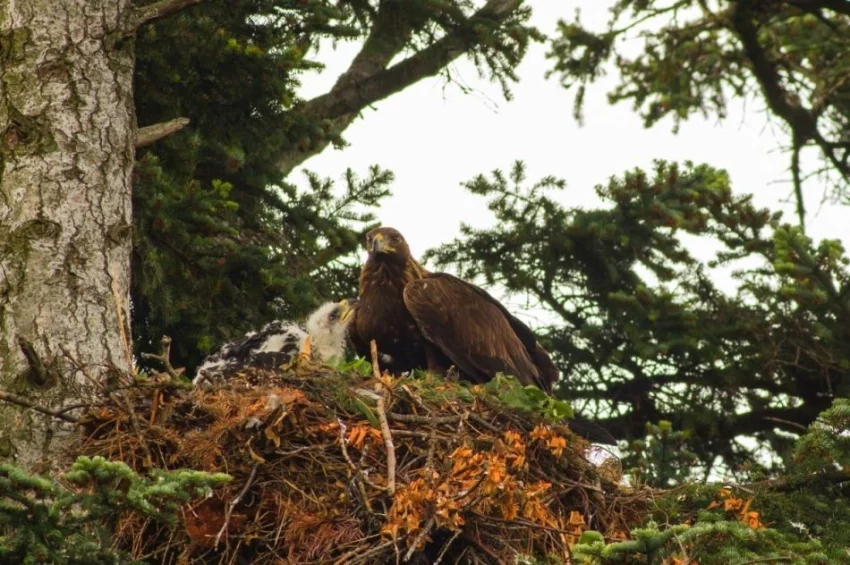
x,y
66,159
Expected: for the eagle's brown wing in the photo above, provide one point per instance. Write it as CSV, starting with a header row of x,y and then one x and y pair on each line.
x,y
476,332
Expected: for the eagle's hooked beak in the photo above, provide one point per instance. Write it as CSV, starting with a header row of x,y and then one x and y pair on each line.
x,y
380,245
347,309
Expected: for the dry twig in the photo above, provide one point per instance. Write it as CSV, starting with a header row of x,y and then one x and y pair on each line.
x,y
165,358
420,538
380,388
358,478
59,414
117,400
232,504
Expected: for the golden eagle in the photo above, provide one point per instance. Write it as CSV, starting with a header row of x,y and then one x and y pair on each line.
x,y
381,314
436,320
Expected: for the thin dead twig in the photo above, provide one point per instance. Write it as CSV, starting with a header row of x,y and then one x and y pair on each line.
x,y
420,538
446,547
232,504
154,132
58,414
165,358
118,400
434,420
380,388
359,478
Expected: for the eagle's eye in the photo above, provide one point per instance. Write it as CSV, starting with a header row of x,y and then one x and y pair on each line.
x,y
396,238
334,315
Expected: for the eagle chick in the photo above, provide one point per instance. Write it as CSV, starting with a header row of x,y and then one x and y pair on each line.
x,y
279,342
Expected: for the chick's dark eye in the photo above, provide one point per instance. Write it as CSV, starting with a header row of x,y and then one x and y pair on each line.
x,y
334,315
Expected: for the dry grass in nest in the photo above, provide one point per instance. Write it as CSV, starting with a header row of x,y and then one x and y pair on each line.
x,y
474,481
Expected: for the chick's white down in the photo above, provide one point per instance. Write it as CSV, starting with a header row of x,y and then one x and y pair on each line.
x,y
278,342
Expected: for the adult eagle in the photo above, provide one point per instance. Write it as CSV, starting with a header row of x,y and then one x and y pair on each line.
x,y
436,320
420,319
381,314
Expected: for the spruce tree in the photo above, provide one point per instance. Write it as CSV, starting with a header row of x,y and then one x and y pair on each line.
x,y
224,240
701,58
639,327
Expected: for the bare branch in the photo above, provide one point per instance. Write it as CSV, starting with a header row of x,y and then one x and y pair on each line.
x,y
159,10
39,373
150,134
778,99
165,358
368,80
387,37
798,183
235,501
786,105
381,388
60,414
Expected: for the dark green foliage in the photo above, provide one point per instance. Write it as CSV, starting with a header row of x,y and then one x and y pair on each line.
x,y
802,517
826,447
641,331
661,459
699,57
223,242
69,521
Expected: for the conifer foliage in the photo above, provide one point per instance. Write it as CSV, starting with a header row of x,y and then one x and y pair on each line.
x,y
801,517
702,57
69,521
641,330
223,240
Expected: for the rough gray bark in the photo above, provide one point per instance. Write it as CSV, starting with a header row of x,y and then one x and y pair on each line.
x,y
66,159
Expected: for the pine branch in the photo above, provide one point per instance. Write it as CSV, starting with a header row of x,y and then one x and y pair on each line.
x,y
150,134
747,423
794,482
838,6
160,10
368,80
784,104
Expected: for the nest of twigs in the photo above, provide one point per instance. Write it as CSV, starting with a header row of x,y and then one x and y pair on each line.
x,y
338,466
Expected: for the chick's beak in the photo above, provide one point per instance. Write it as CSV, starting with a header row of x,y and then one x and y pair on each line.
x,y
346,310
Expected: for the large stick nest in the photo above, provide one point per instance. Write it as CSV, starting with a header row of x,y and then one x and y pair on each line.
x,y
461,478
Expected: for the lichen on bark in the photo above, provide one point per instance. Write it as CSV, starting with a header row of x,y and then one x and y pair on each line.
x,y
66,158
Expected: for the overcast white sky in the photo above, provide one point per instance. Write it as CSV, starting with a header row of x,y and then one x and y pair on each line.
x,y
434,137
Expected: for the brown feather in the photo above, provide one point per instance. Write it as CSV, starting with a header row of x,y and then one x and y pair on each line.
x,y
475,332
436,320
380,313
